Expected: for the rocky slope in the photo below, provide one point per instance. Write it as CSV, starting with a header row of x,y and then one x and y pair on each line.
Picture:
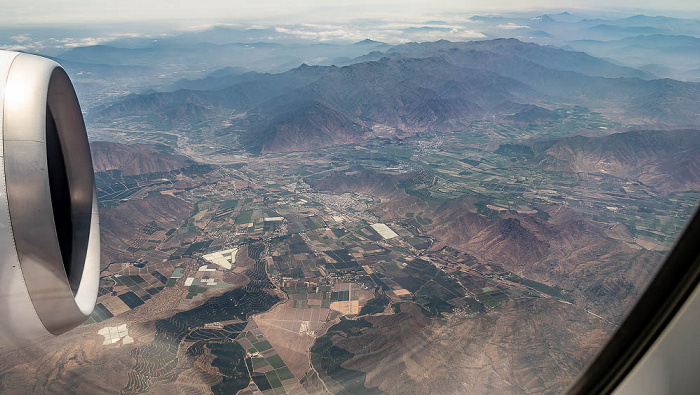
x,y
666,160
135,159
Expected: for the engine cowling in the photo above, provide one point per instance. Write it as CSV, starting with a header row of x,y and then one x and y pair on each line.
x,y
49,224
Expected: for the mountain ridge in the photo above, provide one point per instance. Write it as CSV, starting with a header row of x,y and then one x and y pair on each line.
x,y
439,86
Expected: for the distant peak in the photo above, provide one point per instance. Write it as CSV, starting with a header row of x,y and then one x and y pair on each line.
x,y
367,41
542,18
507,41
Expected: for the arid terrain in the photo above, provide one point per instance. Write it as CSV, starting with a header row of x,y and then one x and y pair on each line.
x,y
429,218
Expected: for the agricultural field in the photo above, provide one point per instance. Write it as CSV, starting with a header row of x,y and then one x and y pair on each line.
x,y
317,249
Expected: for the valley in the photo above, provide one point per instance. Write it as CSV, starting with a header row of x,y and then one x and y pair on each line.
x,y
473,240
434,217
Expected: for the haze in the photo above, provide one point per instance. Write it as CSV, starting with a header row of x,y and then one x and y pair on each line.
x,y
45,12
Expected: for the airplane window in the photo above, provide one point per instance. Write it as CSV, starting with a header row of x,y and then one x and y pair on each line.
x,y
377,197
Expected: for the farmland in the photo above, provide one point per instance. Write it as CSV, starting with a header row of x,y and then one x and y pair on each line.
x,y
286,273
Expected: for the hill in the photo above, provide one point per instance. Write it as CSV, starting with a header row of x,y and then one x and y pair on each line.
x,y
665,160
135,159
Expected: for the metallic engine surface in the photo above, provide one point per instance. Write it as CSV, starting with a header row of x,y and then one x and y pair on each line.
x,y
45,287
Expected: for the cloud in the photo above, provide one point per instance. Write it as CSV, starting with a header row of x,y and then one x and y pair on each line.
x,y
21,38
16,47
512,26
26,43
390,32
22,43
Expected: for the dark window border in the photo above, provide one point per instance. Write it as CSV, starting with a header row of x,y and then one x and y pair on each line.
x,y
663,298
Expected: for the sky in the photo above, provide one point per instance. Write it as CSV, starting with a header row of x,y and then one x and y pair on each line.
x,y
51,26
93,12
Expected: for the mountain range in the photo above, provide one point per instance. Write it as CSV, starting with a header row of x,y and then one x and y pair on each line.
x,y
439,86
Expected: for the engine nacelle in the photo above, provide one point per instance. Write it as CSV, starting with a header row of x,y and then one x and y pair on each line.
x,y
49,225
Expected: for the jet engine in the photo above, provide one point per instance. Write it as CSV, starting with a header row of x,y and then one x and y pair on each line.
x,y
49,225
